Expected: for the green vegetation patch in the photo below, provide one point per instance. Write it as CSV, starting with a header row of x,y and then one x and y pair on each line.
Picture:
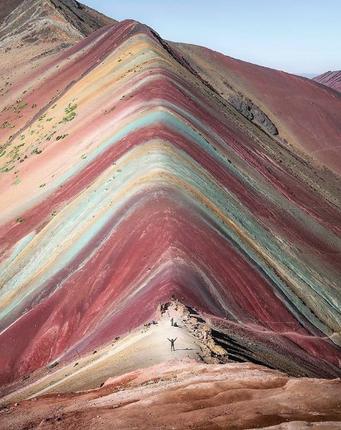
x,y
7,124
6,169
36,151
20,105
70,112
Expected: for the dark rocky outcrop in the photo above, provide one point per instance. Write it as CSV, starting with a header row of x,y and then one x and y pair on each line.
x,y
253,113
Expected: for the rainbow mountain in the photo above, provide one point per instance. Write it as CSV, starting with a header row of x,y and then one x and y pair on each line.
x,y
136,172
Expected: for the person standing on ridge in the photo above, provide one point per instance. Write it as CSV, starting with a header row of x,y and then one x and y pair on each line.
x,y
172,321
172,342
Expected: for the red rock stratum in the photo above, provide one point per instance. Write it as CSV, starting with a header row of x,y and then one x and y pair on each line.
x,y
188,395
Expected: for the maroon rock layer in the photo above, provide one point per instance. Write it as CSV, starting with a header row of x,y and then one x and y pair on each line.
x,y
305,115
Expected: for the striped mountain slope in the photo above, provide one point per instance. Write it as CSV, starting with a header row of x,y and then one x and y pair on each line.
x,y
126,180
330,79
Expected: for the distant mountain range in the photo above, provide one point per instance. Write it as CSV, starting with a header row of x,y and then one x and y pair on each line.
x,y
144,182
330,79
307,75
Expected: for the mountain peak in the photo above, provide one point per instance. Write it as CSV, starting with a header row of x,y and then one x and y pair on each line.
x,y
331,79
34,31
44,20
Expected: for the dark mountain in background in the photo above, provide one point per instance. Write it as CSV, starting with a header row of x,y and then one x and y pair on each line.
x,y
7,6
43,22
330,79
33,32
82,17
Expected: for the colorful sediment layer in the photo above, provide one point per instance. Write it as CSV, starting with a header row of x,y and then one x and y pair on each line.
x,y
127,180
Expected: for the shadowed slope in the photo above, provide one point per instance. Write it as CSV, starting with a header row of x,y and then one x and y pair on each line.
x,y
19,17
131,181
306,115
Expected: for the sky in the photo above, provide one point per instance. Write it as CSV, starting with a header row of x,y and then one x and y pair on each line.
x,y
298,36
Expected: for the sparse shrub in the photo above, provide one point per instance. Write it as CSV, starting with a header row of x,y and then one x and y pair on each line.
x,y
70,112
7,124
36,151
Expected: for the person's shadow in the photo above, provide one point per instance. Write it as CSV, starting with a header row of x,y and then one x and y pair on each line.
x,y
184,349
